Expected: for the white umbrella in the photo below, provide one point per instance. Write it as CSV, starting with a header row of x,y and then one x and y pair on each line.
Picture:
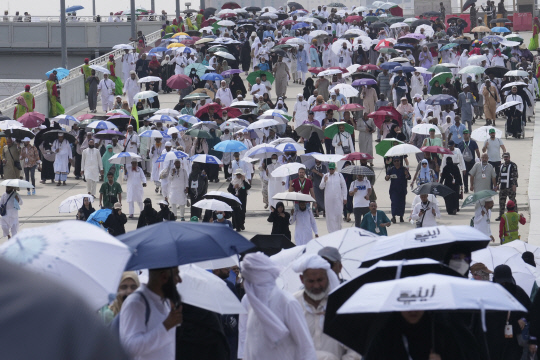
x,y
269,9
353,68
169,112
520,73
100,69
17,183
244,104
225,55
262,151
74,203
205,290
81,256
400,59
356,32
123,47
352,243
449,65
287,169
222,194
507,105
268,15
430,292
293,196
476,59
218,263
101,123
260,124
65,119
402,149
509,43
423,129
318,33
346,90
428,30
422,70
312,21
212,204
338,44
296,41
153,134
472,69
289,146
226,11
329,157
329,72
522,246
482,133
4,124
398,25
226,23
172,156
145,95
512,84
124,157
149,79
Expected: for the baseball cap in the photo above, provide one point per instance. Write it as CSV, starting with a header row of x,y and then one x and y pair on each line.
x,y
491,131
331,165
465,131
330,253
503,155
117,205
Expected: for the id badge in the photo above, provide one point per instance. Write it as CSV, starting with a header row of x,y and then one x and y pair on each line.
x,y
377,230
194,184
483,176
468,101
508,333
459,136
340,59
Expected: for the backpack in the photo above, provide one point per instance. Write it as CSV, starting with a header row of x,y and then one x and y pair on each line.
x,y
115,323
467,154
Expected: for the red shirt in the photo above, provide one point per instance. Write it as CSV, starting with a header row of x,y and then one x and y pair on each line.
x,y
303,187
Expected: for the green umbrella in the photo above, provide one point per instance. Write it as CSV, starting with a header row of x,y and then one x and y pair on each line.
x,y
394,19
385,145
472,69
218,48
283,46
201,69
168,36
199,133
333,129
371,18
477,196
196,96
441,78
386,50
435,69
84,123
254,75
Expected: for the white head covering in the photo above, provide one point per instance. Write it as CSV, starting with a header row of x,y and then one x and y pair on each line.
x,y
260,275
299,94
314,261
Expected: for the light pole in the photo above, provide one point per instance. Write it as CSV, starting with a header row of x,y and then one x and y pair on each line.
x,y
133,17
63,39
94,9
178,9
153,6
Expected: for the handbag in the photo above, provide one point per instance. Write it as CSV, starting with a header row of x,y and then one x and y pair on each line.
x,y
3,207
420,222
346,149
16,163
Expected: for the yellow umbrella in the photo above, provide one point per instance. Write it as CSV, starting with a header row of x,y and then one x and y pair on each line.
x,y
481,29
180,33
202,41
173,45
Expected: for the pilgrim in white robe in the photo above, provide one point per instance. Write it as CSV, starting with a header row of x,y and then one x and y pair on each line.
x,y
335,192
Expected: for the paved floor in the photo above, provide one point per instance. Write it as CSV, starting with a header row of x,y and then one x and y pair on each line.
x,y
43,208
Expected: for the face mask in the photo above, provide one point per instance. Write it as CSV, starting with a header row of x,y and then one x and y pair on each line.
x,y
91,146
459,265
219,216
274,161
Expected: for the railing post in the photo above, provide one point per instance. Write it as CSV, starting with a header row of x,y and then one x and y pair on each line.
x,y
133,18
63,37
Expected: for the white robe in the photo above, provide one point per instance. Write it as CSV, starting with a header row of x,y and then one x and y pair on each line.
x,y
164,170
128,64
417,84
10,221
61,160
335,192
180,63
106,88
132,142
178,182
275,184
91,164
482,222
301,112
429,219
135,179
155,165
225,95
305,225
244,165
345,139
131,87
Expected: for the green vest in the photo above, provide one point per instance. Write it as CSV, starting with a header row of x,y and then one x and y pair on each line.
x,y
28,97
21,110
511,227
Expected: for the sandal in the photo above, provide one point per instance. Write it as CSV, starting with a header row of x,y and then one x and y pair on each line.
x,y
58,184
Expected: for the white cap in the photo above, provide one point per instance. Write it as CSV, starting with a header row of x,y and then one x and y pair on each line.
x,y
465,86
26,139
168,143
163,202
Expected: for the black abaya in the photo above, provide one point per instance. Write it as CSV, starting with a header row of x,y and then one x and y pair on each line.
x,y
451,177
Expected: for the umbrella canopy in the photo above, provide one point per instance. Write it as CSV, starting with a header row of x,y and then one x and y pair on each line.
x,y
441,78
252,77
287,169
325,107
441,99
60,73
204,290
230,146
199,133
262,151
500,29
497,71
477,196
155,134
145,94
385,145
80,256
432,242
508,105
333,129
181,243
225,197
423,129
124,158
74,203
109,135
65,119
225,55
172,156
52,135
482,133
31,119
148,79
200,68
102,125
358,156
212,204
472,69
402,149
260,124
305,131
293,196
74,8
435,69
205,159
17,183
204,109
358,170
289,146
19,133
433,188
189,119
437,150
519,73
346,90
351,107
101,69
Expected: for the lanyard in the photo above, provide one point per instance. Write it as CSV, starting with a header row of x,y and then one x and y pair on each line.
x,y
374,218
302,184
484,168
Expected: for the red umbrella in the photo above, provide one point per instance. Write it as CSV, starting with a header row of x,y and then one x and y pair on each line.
x,y
380,116
395,114
227,15
315,70
179,81
85,116
383,43
325,107
204,109
208,22
231,112
358,156
369,67
284,40
230,5
342,69
352,18
288,22
118,13
32,119
188,41
351,107
437,149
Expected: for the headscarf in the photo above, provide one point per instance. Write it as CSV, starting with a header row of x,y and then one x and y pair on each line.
x,y
260,275
154,64
22,102
106,163
117,304
313,261
52,77
425,173
166,60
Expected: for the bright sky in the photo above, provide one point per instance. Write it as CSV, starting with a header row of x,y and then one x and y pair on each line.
x,y
103,7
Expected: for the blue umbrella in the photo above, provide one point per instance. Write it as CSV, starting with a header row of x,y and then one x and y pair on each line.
x,y
181,128
404,68
74,8
441,99
363,82
494,39
60,73
99,216
190,119
163,118
389,65
402,46
300,25
158,49
210,36
230,146
500,29
181,243
212,76
205,159
66,119
172,155
155,134
448,46
289,147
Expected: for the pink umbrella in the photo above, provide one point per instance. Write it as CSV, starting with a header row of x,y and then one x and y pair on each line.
x,y
351,107
85,116
179,81
325,107
32,119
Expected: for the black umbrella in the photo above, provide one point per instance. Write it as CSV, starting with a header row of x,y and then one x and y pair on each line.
x,y
122,121
443,41
209,12
282,16
363,75
462,41
225,197
433,188
500,21
296,5
420,22
246,21
52,135
348,36
358,335
248,117
4,117
19,134
432,13
193,32
378,25
497,71
323,20
270,244
431,44
252,8
468,4
409,40
190,11
358,170
279,52
453,19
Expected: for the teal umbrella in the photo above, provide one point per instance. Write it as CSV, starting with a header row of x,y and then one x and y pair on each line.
x,y
477,196
200,68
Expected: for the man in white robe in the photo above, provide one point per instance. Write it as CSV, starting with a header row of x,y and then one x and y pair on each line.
x,y
178,188
305,224
224,94
164,171
154,153
313,299
131,87
145,145
276,185
180,63
128,64
275,326
91,167
335,196
300,111
237,163
134,176
425,212
106,88
62,149
132,141
10,221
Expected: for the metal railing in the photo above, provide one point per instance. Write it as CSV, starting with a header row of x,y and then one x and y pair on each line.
x,y
75,72
75,19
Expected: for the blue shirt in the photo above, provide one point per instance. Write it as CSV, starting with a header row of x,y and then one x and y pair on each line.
x,y
457,133
268,33
264,66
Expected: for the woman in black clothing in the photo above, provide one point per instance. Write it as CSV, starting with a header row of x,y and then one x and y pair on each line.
x,y
451,177
115,221
313,144
86,210
198,187
237,84
280,220
308,88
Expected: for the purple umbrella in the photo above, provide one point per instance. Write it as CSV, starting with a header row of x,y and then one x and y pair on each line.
x,y
230,72
109,134
362,82
413,36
